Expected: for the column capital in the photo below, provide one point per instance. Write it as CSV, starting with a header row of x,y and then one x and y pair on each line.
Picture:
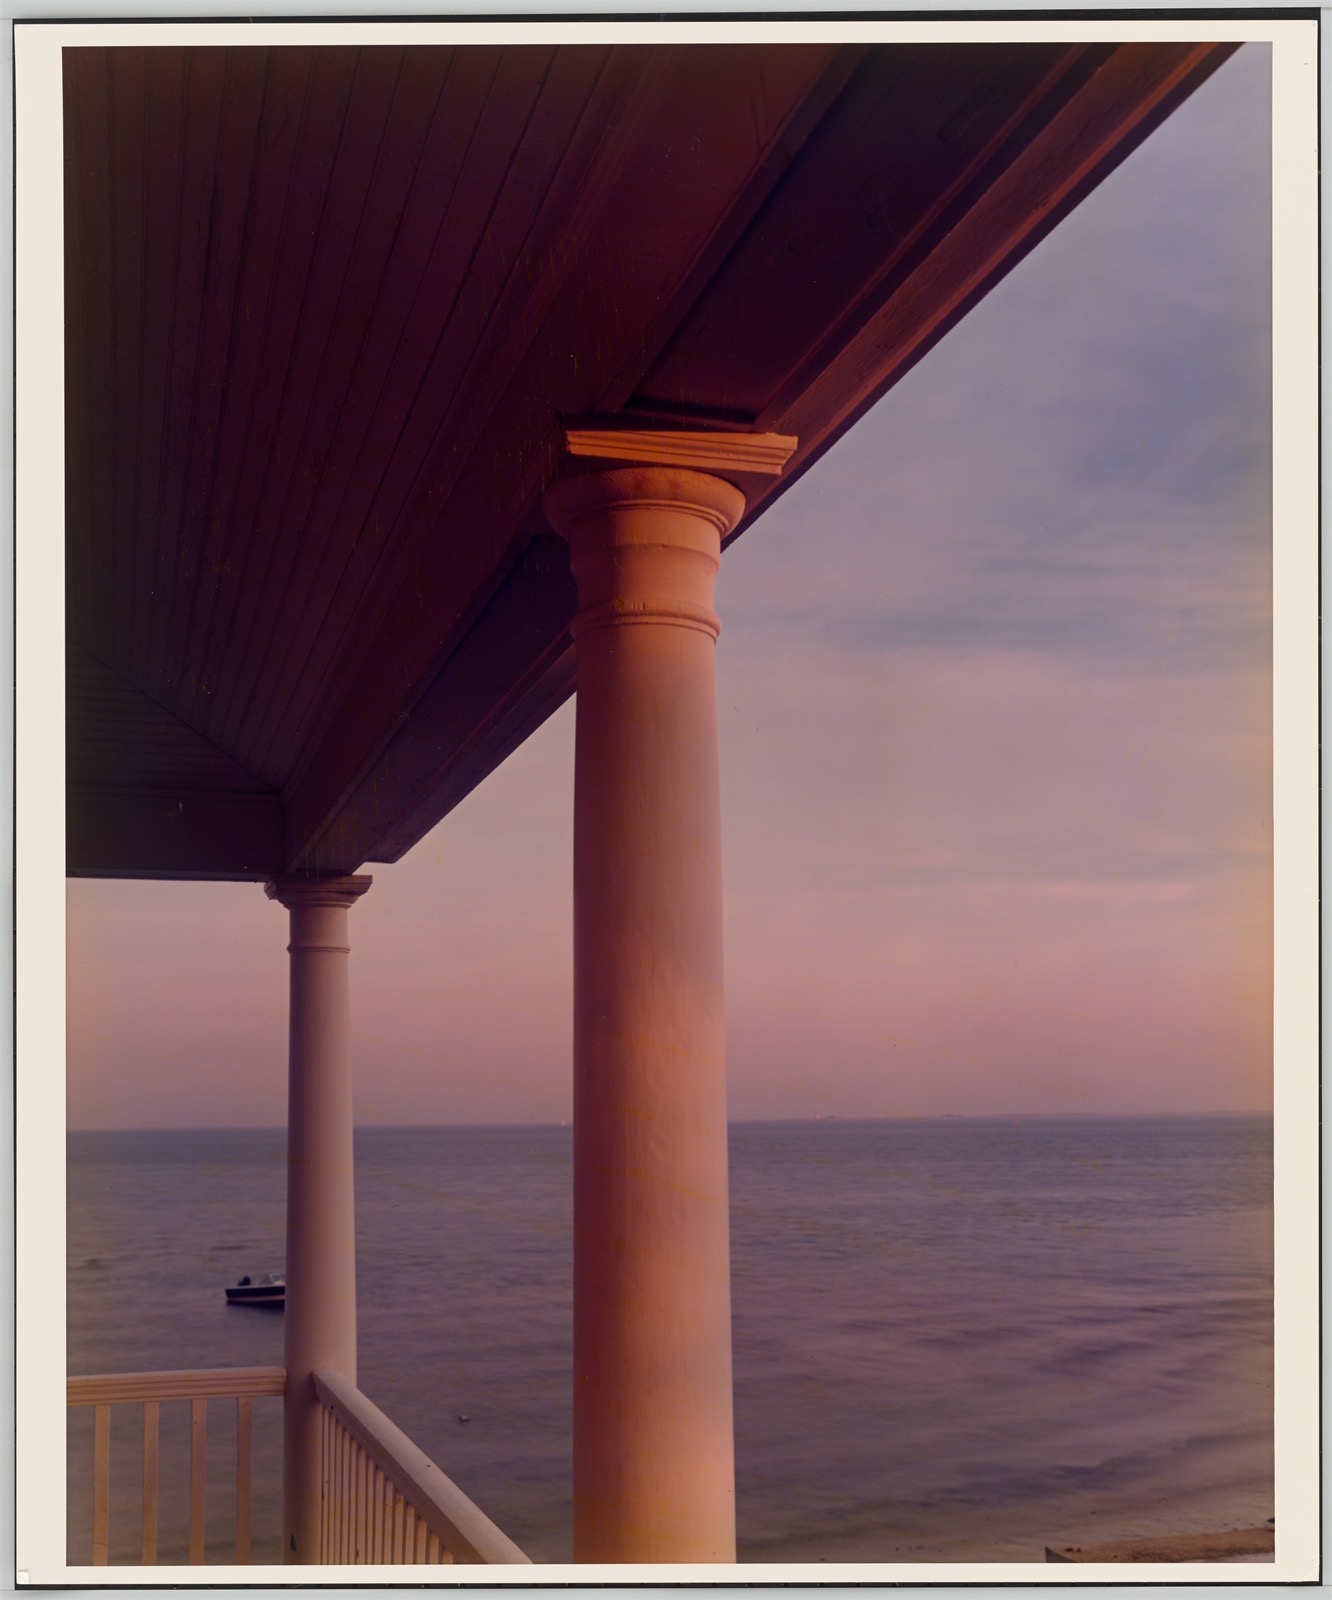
x,y
333,889
644,544
572,501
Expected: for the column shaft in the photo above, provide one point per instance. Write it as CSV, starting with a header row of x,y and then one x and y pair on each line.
x,y
320,1316
653,1444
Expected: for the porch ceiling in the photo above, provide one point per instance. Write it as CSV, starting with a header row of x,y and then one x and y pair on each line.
x,y
328,310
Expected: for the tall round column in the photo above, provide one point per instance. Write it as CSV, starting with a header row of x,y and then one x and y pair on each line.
x,y
320,1317
654,1476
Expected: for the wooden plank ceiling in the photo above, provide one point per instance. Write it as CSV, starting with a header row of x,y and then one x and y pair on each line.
x,y
328,310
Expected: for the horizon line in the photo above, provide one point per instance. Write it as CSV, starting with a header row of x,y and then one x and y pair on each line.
x,y
734,1122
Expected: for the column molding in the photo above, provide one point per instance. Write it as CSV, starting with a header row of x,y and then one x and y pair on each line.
x,y
293,889
709,451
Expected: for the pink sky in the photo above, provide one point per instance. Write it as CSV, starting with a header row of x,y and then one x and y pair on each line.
x,y
995,696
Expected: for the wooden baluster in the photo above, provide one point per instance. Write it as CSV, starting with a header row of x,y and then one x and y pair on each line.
x,y
362,1506
389,1492
198,1445
334,1460
408,1534
399,1512
422,1533
101,1483
334,1465
354,1481
323,1490
148,1546
433,1548
353,1452
323,1487
341,1553
243,1422
331,1493
339,1451
334,1489
344,1553
330,1487
356,1458
377,1544
357,1454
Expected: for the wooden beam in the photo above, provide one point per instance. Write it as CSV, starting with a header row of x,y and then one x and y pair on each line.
x,y
490,694
1131,94
126,833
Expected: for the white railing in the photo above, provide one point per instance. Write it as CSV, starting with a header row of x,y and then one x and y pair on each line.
x,y
149,1389
385,1501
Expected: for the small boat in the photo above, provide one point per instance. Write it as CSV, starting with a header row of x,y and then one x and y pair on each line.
x,y
270,1290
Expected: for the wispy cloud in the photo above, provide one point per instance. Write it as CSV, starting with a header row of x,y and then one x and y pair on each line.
x,y
1083,465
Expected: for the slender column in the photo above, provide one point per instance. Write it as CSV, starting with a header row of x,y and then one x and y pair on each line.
x,y
320,1315
654,1475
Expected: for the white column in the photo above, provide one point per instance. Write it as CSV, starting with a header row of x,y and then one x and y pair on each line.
x,y
654,1476
320,1315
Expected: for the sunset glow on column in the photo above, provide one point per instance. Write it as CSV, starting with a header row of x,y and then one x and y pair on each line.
x,y
653,1458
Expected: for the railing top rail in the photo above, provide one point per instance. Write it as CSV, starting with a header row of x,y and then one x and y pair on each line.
x,y
464,1528
118,1388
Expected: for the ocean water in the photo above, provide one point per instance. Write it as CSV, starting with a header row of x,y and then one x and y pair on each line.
x,y
955,1339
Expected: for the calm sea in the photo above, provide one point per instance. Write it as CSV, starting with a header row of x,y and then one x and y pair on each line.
x,y
954,1338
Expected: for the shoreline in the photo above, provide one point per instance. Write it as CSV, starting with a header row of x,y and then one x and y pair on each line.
x,y
996,1537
